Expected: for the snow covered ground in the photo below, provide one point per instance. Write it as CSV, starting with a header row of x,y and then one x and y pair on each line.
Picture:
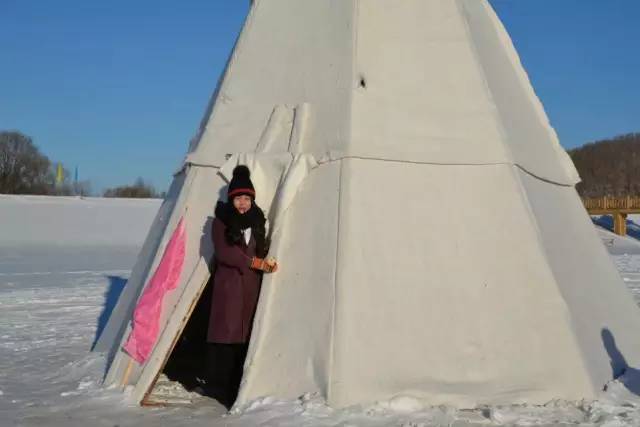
x,y
63,263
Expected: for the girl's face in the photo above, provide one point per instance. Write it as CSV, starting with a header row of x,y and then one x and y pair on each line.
x,y
242,203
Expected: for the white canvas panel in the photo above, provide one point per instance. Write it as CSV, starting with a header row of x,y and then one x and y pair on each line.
x,y
444,292
425,97
290,342
528,135
596,296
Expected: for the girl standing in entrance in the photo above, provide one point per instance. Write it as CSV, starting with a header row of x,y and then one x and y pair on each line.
x,y
240,243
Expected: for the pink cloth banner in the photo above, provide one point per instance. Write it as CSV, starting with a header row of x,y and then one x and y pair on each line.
x,y
146,316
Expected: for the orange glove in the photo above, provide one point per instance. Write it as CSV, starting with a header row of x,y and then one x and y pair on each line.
x,y
261,264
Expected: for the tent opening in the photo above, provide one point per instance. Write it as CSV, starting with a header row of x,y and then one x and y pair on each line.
x,y
192,365
186,364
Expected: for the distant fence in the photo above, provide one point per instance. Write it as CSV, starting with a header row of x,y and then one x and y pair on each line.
x,y
607,203
618,207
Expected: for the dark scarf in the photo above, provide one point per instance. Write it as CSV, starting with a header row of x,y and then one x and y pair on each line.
x,y
236,222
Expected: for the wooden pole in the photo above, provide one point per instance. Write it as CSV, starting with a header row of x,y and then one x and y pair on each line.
x,y
127,373
620,223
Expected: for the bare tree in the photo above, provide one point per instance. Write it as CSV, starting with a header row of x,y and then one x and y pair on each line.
x,y
23,169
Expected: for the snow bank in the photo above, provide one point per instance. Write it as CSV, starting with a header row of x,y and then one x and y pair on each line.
x,y
73,221
619,245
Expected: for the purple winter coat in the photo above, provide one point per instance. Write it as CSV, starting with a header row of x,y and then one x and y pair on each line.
x,y
236,288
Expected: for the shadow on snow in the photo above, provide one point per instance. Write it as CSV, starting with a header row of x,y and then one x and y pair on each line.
x,y
111,295
620,369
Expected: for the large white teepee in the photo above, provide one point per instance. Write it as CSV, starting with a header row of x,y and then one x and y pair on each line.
x,y
430,238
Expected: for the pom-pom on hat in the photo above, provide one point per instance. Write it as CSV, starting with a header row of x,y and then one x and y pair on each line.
x,y
241,183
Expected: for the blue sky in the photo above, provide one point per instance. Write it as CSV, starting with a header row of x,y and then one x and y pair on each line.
x,y
119,87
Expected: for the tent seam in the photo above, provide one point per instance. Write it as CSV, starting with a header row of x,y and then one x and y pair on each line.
x,y
415,162
354,46
332,345
335,287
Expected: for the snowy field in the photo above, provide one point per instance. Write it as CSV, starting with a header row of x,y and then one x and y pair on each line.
x,y
63,263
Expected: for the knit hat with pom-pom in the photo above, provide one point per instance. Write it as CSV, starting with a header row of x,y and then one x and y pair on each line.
x,y
241,183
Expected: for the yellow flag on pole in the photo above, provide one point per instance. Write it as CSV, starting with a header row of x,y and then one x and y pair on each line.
x,y
59,175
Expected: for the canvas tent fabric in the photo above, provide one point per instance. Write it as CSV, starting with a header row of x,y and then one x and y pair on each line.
x,y
431,242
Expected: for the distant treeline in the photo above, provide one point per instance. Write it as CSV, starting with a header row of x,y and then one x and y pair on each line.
x,y
139,189
25,170
610,167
